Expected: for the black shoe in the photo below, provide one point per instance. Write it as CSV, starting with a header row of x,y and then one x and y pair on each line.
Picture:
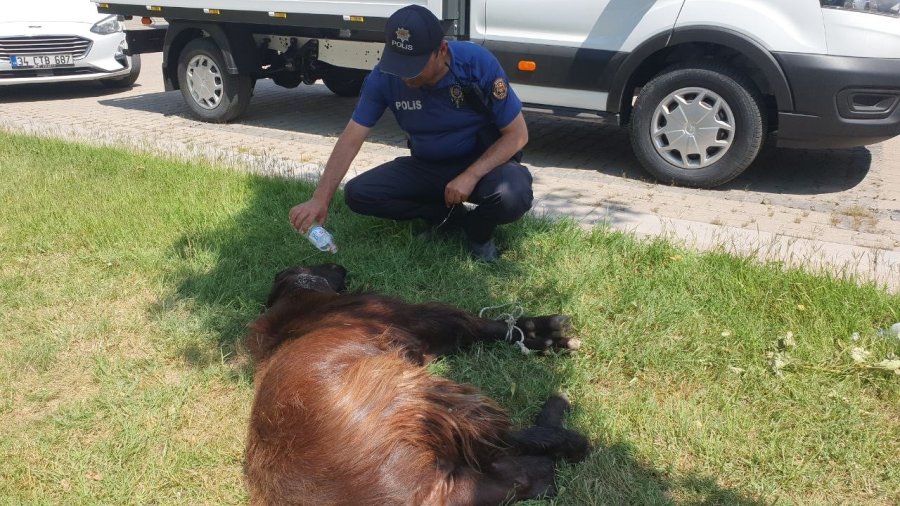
x,y
485,252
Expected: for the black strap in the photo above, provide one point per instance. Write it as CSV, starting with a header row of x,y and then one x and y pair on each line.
x,y
475,98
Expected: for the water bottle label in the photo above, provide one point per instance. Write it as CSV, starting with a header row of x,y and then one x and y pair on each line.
x,y
317,235
321,239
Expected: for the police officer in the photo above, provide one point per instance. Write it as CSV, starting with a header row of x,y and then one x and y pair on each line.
x,y
465,130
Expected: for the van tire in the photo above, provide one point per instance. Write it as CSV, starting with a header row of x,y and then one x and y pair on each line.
x,y
209,90
344,82
738,104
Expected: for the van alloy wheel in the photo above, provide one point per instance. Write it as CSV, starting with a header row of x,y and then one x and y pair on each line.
x,y
204,81
208,89
693,128
698,124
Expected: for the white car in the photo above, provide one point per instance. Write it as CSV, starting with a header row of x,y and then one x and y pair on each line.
x,y
63,40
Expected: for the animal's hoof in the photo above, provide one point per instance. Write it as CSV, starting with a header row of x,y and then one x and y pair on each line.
x,y
560,322
553,412
545,333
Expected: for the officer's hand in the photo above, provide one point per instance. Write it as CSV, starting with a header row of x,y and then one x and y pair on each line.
x,y
303,215
458,190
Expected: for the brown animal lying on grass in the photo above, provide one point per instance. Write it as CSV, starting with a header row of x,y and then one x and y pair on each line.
x,y
345,412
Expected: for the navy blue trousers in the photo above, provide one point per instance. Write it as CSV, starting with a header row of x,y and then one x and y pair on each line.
x,y
409,188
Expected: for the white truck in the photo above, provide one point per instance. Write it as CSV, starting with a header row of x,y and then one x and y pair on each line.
x,y
701,84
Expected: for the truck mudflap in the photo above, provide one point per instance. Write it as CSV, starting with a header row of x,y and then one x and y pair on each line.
x,y
145,40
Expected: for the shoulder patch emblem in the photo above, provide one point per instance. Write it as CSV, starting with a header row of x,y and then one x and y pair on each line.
x,y
500,89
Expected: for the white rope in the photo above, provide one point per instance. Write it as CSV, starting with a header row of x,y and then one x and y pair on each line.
x,y
511,328
441,224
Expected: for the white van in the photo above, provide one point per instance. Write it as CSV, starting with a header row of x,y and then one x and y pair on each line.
x,y
700,83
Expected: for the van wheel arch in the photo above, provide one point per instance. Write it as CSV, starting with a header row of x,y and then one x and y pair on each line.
x,y
236,44
700,43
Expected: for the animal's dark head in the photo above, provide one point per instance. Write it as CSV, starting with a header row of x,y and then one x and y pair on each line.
x,y
327,278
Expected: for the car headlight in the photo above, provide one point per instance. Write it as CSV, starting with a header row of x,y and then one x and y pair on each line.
x,y
107,25
883,7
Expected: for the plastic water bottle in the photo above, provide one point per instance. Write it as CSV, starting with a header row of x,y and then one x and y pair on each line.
x,y
892,331
320,238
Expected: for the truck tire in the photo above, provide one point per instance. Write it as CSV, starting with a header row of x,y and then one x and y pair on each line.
x,y
210,91
129,80
344,82
698,125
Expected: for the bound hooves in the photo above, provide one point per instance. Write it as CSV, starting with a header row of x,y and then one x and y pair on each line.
x,y
552,332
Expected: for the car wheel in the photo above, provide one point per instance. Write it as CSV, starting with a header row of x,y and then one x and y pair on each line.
x,y
129,80
210,91
344,82
698,125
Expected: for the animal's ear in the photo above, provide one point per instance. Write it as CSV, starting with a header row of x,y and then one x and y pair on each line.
x,y
338,278
283,281
334,274
325,278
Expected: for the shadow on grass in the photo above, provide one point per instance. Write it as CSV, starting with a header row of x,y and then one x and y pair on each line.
x,y
227,274
617,477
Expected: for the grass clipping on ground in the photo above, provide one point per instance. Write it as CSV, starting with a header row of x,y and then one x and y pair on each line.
x,y
126,282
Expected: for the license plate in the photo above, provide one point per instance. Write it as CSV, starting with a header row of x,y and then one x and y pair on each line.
x,y
41,61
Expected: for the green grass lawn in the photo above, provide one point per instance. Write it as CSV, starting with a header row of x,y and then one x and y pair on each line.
x,y
126,283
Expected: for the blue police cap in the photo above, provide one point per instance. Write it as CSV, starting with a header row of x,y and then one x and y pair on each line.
x,y
410,36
